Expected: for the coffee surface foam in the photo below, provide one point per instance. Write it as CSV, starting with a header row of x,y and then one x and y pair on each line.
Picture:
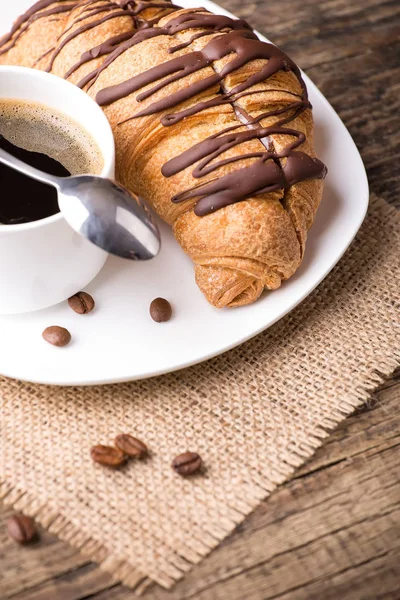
x,y
38,128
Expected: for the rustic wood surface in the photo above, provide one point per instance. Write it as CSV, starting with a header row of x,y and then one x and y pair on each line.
x,y
334,530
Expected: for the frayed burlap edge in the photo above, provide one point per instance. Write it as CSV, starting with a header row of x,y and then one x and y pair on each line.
x,y
55,523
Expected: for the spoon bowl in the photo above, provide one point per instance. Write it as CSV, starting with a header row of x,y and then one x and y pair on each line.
x,y
109,216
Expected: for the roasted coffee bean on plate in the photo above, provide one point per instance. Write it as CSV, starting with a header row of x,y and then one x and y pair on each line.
x,y
160,310
57,336
22,529
187,463
130,445
108,455
82,303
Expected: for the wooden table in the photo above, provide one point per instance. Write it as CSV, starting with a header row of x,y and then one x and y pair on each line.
x,y
333,532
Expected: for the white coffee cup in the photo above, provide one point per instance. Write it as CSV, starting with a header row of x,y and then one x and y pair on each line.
x,y
45,262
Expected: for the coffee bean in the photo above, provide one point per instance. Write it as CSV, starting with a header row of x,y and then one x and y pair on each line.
x,y
81,303
187,463
131,445
57,336
160,310
22,529
108,456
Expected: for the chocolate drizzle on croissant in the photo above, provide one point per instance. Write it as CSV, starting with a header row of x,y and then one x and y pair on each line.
x,y
87,27
208,121
238,40
37,11
242,44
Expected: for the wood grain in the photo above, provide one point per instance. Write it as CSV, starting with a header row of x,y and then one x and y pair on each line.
x,y
334,530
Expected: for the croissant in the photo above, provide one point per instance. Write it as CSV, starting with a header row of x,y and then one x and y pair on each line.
x,y
212,126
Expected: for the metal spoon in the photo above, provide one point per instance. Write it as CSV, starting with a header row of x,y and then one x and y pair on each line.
x,y
100,210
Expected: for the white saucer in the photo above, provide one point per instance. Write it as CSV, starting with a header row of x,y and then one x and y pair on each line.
x,y
120,342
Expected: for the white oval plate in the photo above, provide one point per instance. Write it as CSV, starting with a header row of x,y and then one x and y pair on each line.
x,y
120,342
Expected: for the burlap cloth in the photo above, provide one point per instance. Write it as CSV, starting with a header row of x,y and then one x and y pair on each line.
x,y
254,415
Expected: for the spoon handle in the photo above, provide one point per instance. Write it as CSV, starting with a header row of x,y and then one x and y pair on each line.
x,y
18,165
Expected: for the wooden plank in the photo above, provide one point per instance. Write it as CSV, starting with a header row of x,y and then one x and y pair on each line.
x,y
38,564
81,583
376,579
322,32
365,92
22,567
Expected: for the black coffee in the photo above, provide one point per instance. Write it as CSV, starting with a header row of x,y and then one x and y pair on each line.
x,y
23,199
49,141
